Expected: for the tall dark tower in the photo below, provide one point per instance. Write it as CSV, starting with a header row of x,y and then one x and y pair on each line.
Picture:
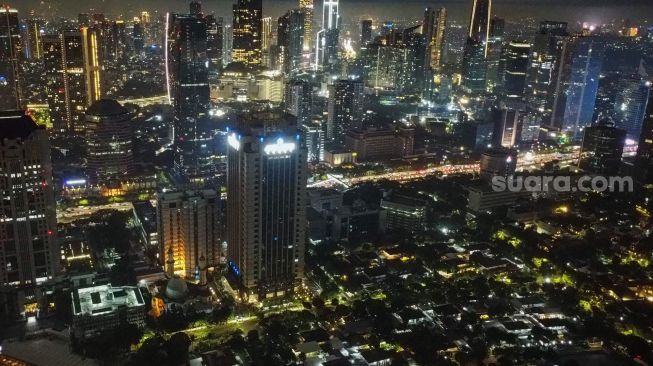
x,y
187,74
247,32
10,49
474,60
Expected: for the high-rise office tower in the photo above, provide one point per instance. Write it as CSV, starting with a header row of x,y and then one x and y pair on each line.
x,y
346,99
291,39
545,63
474,66
10,59
189,227
109,141
516,67
138,36
630,105
306,6
602,149
266,34
63,59
187,68
577,84
247,32
299,100
30,254
118,41
508,126
92,50
326,47
33,45
266,204
433,29
366,32
495,47
214,45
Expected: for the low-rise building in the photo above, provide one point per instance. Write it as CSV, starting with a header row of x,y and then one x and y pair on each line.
x,y
100,308
377,144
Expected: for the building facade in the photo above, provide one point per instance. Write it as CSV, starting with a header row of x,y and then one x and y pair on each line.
x,y
266,205
30,254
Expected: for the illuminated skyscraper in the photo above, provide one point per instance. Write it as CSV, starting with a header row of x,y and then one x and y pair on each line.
x,y
306,6
30,254
291,39
545,63
109,140
187,69
495,67
266,205
516,67
63,59
34,45
433,28
326,47
92,48
214,44
346,99
10,57
247,32
189,228
474,60
577,84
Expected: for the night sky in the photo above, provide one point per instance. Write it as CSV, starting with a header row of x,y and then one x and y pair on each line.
x,y
593,11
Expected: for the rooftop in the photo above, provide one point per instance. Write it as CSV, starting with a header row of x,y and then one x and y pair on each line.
x,y
16,125
103,299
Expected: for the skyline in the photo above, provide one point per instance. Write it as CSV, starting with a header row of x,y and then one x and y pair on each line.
x,y
572,11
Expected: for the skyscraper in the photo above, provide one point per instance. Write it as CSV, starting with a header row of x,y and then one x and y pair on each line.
x,y
266,205
474,67
577,84
92,50
10,57
545,64
495,47
345,108
630,105
433,28
299,100
291,39
214,45
109,140
187,68
516,67
366,32
326,47
63,58
247,32
30,254
34,45
189,227
306,6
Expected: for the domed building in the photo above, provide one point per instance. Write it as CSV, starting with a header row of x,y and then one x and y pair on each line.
x,y
176,289
109,141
